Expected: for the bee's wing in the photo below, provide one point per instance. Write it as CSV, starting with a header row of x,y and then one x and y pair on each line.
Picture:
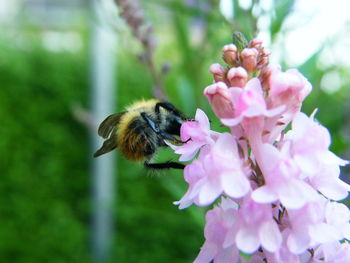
x,y
108,145
109,125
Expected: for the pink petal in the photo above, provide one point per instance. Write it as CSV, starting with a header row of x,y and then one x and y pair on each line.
x,y
209,193
330,158
203,120
295,194
254,85
337,213
275,111
300,121
254,111
187,150
270,236
207,253
183,203
298,242
247,240
172,146
190,195
334,189
230,237
225,146
270,156
196,189
227,255
235,184
307,163
323,233
189,147
264,194
231,122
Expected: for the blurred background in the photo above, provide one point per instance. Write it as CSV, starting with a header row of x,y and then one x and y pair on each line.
x,y
67,64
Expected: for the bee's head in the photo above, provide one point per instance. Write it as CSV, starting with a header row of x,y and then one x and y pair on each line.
x,y
173,122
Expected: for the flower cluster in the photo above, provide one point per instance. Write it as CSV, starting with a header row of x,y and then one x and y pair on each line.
x,y
278,188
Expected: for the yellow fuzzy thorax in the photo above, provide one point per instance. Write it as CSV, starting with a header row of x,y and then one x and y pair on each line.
x,y
132,112
142,104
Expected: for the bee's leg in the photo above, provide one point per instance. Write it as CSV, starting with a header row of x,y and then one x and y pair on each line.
x,y
166,105
169,107
155,128
166,165
151,123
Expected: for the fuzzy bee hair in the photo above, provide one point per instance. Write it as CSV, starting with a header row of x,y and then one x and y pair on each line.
x,y
140,130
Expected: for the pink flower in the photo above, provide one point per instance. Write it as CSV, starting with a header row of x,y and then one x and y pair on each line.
x,y
196,134
333,252
256,227
220,99
249,103
310,143
309,228
283,88
337,215
283,254
219,221
278,186
282,180
288,88
217,170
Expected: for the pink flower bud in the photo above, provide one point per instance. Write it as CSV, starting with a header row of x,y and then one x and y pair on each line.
x,y
237,77
218,71
255,43
262,62
219,98
263,59
249,58
230,54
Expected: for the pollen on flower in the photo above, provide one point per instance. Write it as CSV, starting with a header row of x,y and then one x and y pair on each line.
x,y
278,189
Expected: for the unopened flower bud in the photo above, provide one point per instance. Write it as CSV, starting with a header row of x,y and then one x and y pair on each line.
x,y
263,58
218,71
220,100
263,61
249,58
230,54
237,77
255,43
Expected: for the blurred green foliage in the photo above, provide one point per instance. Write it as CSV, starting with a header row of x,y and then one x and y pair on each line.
x,y
45,187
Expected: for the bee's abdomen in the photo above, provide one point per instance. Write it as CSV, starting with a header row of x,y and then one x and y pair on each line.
x,y
139,141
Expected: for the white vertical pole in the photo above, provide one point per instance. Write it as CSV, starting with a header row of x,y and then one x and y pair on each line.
x,y
103,45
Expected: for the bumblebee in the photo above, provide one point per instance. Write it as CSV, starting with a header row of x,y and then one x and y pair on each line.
x,y
140,130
